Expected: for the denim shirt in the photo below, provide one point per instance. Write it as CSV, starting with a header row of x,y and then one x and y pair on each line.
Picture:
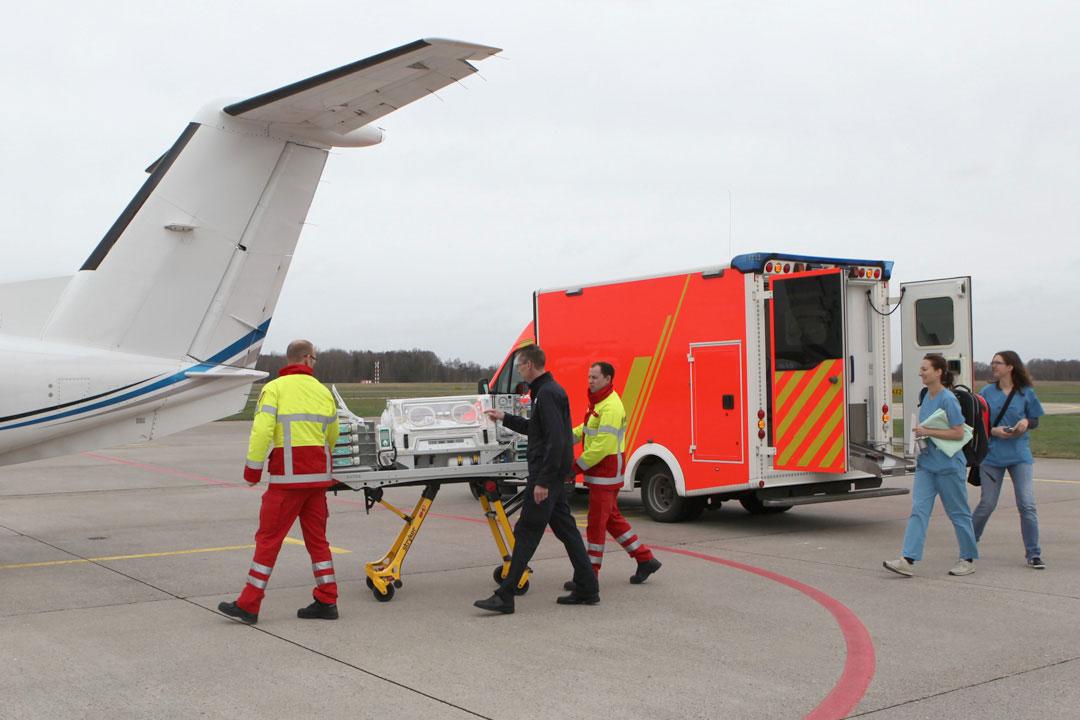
x,y
1011,451
931,458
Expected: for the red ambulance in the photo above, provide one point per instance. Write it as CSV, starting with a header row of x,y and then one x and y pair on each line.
x,y
768,380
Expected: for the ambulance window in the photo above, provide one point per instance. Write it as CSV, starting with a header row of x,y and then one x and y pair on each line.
x,y
808,321
934,322
509,377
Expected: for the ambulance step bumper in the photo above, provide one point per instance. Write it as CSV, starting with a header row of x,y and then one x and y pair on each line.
x,y
852,495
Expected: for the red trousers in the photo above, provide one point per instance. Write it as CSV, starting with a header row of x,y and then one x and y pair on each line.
x,y
604,518
280,508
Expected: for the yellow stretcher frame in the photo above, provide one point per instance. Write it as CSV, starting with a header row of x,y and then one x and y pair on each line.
x,y
383,576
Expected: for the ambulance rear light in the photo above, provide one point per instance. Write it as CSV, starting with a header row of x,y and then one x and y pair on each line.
x,y
761,424
885,414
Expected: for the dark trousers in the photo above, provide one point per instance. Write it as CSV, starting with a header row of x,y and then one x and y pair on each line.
x,y
529,530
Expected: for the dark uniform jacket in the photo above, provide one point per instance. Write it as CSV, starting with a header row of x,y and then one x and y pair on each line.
x,y
551,439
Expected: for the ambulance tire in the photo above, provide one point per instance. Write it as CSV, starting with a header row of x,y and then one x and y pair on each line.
x,y
753,505
662,501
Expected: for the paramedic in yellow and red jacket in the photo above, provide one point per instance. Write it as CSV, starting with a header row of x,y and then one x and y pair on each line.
x,y
296,423
601,460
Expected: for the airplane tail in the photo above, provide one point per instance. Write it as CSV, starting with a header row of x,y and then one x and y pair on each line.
x,y
193,267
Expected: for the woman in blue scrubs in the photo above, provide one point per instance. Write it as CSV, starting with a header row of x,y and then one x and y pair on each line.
x,y
938,474
1009,449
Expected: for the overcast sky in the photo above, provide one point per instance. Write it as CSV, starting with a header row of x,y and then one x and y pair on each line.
x,y
602,143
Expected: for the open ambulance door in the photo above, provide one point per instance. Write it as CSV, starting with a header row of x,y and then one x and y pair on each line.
x,y
807,371
935,317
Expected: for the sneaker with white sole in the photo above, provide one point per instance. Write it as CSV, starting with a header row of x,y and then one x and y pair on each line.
x,y
962,567
1037,563
900,566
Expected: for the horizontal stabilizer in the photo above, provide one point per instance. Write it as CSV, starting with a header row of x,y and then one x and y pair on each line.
x,y
357,94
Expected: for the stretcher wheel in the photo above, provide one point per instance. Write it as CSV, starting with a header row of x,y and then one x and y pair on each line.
x,y
498,575
398,583
371,585
383,598
523,589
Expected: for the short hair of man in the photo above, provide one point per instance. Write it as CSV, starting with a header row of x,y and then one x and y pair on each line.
x,y
606,369
298,350
533,354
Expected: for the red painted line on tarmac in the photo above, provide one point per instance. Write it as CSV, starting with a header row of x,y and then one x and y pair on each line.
x,y
162,470
859,664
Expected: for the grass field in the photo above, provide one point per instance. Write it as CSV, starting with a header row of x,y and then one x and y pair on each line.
x,y
370,400
1058,436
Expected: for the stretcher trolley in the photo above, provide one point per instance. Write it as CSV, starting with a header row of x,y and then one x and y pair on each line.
x,y
427,442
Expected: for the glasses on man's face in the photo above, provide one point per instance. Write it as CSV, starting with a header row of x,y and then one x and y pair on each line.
x,y
313,358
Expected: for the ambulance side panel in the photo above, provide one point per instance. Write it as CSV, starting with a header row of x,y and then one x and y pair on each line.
x,y
678,344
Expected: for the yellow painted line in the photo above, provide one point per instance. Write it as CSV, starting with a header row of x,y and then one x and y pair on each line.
x,y
141,556
1065,482
635,415
634,379
333,550
110,558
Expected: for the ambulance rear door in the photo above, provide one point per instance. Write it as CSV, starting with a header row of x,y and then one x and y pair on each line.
x,y
807,371
935,317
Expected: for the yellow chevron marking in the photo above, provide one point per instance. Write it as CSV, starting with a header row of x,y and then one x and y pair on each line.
x,y
824,434
790,386
810,425
791,411
639,407
833,451
639,368
660,361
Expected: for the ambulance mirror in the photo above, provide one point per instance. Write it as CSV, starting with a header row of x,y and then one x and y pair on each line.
x,y
482,387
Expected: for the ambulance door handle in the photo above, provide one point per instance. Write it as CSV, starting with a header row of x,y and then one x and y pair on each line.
x,y
728,402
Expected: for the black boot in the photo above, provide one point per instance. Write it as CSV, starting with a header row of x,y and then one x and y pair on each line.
x,y
569,585
235,611
497,603
644,570
318,611
576,598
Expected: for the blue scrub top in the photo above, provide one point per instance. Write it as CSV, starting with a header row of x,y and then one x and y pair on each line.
x,y
1011,451
932,458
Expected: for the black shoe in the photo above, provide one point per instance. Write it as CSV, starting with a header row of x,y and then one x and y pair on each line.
x,y
496,603
644,570
570,585
575,599
318,611
234,611
1037,563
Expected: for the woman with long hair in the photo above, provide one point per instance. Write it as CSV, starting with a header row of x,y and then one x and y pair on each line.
x,y
937,473
1013,392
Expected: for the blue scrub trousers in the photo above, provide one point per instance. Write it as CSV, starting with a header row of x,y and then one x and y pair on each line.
x,y
950,485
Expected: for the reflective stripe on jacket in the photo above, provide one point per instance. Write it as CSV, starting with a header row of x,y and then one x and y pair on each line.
x,y
602,457
296,421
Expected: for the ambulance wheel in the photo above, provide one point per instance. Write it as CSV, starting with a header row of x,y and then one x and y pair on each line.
x,y
662,501
383,598
753,505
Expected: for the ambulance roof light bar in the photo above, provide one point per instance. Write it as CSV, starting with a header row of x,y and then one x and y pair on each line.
x,y
755,262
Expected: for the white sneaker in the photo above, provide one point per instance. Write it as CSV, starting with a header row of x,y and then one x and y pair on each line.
x,y
962,567
900,566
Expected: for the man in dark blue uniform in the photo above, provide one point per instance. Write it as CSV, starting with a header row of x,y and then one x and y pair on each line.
x,y
550,456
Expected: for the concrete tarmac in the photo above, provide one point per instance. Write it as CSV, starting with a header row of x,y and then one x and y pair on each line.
x,y
112,565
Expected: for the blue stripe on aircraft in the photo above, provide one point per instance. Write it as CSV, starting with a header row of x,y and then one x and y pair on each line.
x,y
240,345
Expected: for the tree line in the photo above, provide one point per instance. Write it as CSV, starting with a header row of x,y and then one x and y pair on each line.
x,y
395,366
1039,368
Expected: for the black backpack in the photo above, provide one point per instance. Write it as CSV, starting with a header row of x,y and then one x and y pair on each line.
x,y
977,415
